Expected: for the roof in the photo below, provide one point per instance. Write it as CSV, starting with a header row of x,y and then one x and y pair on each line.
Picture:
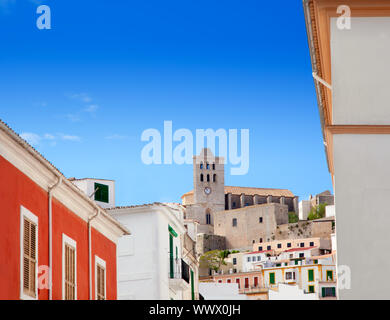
x,y
80,179
256,252
299,249
23,143
253,191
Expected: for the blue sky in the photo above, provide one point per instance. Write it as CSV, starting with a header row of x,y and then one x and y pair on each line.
x,y
84,91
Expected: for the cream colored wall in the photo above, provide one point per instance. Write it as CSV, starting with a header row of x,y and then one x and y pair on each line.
x,y
361,95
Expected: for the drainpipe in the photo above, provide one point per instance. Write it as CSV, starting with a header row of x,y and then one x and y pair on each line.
x,y
90,252
50,191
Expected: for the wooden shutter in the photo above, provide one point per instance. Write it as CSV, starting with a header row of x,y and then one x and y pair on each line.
x,y
29,257
101,281
70,273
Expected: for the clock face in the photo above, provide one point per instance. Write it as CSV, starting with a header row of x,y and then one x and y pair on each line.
x,y
207,190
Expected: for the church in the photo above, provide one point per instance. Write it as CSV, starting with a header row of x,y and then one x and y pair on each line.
x,y
242,215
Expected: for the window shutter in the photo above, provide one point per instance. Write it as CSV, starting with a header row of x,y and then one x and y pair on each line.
x,y
100,285
29,257
323,292
70,273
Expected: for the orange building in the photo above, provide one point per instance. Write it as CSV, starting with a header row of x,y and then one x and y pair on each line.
x,y
55,243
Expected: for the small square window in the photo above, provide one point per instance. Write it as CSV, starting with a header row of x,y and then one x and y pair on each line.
x,y
289,245
311,244
268,247
261,220
101,192
260,248
279,245
302,244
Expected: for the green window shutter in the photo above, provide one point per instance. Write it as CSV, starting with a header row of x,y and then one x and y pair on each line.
x,y
171,268
333,291
172,231
296,262
311,289
323,292
101,193
329,275
272,278
192,286
311,275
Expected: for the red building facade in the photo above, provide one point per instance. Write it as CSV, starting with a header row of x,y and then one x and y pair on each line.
x,y
55,243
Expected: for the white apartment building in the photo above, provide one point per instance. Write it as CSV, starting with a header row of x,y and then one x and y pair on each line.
x,y
350,61
157,261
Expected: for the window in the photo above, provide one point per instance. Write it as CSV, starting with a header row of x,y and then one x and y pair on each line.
x,y
69,268
214,177
268,247
219,281
260,248
315,261
311,244
261,240
213,166
255,282
101,192
208,178
261,220
249,259
234,222
100,278
253,241
234,261
234,204
302,244
329,275
207,166
201,177
201,165
289,245
279,245
301,255
311,289
311,275
328,292
29,255
246,283
208,218
272,278
228,281
254,259
290,275
238,282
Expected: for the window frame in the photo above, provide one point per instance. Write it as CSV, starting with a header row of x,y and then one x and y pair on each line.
x,y
102,263
66,240
308,275
98,185
27,214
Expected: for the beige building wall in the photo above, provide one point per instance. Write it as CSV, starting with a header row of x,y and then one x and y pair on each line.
x,y
252,224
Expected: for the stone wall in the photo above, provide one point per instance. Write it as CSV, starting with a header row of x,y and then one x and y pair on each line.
x,y
209,242
253,224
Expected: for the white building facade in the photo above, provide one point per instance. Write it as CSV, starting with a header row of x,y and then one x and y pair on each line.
x,y
154,263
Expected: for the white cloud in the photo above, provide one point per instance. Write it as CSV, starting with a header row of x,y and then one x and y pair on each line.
x,y
68,137
72,117
36,139
91,108
84,97
32,138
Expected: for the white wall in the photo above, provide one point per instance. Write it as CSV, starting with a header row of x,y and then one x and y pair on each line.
x,y
330,211
304,209
88,187
220,291
362,189
361,95
360,71
289,292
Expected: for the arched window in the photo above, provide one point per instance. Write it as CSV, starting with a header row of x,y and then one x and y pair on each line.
x,y
213,166
234,222
214,178
208,178
201,177
201,165
207,166
208,216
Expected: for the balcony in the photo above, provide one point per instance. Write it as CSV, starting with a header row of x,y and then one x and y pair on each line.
x,y
179,279
253,290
